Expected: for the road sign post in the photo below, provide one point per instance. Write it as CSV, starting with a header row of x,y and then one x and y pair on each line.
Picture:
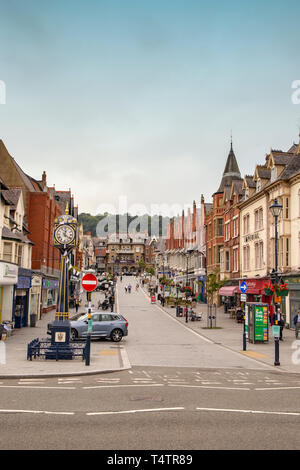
x,y
89,283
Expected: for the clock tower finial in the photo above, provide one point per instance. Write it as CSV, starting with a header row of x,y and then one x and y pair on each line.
x,y
67,209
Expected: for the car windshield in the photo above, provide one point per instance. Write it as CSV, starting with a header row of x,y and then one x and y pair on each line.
x,y
83,317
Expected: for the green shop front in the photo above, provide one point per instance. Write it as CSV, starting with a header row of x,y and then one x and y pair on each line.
x,y
291,303
49,293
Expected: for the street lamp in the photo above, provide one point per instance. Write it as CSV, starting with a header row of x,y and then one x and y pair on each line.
x,y
276,209
187,253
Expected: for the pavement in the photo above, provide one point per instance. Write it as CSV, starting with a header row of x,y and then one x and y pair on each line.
x,y
110,357
106,356
229,334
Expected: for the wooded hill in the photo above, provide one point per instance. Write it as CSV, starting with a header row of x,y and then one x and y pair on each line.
x,y
155,225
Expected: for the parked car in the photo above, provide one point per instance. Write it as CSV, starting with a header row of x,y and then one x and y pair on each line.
x,y
105,325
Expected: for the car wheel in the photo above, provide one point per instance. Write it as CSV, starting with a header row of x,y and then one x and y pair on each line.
x,y
116,335
74,334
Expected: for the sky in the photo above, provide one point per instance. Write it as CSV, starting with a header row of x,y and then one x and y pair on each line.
x,y
135,101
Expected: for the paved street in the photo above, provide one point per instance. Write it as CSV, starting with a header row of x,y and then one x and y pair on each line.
x,y
156,339
182,391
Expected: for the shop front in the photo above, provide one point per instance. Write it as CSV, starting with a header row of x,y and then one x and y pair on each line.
x,y
35,297
255,292
49,294
200,288
8,279
230,297
22,298
291,304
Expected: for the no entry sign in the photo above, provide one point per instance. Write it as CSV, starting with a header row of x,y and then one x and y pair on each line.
x,y
89,282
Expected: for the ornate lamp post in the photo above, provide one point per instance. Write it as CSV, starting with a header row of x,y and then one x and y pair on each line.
x,y
276,209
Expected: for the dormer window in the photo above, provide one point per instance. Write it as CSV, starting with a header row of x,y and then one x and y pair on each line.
x,y
247,193
258,185
273,174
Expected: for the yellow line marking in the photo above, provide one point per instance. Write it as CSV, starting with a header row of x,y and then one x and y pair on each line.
x,y
108,353
255,354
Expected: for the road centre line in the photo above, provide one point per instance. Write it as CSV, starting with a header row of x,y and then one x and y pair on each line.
x,y
30,387
123,386
38,412
179,408
206,386
228,410
277,388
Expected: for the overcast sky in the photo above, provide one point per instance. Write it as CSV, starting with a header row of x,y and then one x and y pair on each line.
x,y
138,98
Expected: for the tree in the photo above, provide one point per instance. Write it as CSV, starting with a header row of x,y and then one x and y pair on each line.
x,y
213,284
151,271
142,265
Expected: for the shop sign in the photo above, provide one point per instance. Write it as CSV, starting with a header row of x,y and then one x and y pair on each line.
x,y
255,286
36,281
24,282
10,270
8,273
248,238
50,284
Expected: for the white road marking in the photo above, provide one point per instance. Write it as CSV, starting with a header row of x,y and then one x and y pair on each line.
x,y
38,412
122,386
228,410
206,386
30,387
135,411
277,388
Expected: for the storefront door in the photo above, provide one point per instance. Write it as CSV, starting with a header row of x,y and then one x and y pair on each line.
x,y
21,309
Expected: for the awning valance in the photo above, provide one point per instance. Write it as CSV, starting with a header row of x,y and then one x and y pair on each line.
x,y
228,291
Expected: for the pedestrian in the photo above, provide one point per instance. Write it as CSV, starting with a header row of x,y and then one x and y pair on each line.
x,y
77,304
112,302
126,289
129,288
296,321
278,319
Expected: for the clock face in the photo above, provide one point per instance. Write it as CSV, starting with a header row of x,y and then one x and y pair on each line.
x,y
64,234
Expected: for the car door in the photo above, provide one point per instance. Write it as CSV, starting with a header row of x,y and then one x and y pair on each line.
x,y
106,324
97,325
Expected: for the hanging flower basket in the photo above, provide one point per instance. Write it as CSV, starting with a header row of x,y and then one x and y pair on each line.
x,y
269,289
281,290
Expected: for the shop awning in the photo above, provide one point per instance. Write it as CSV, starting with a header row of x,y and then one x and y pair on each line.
x,y
228,291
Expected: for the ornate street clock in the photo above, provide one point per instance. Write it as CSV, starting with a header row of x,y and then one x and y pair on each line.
x,y
65,239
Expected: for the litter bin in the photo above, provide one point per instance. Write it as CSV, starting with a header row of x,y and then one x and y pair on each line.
x,y
33,318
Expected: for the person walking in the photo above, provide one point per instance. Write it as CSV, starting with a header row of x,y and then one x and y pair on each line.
x,y
77,304
278,317
112,302
296,321
125,289
129,288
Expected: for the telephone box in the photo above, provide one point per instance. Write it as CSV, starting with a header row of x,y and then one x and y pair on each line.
x,y
257,322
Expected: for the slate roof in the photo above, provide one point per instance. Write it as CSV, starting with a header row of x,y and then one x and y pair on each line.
x,y
231,171
12,195
291,168
17,236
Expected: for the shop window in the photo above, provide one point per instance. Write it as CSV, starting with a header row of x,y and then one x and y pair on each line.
x,y
7,251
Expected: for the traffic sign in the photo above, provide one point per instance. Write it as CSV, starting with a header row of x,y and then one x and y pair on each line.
x,y
243,297
243,287
89,282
